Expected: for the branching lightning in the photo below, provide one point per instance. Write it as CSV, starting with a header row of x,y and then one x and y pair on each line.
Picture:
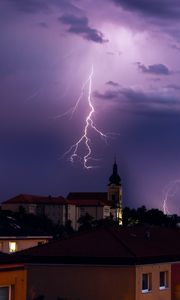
x,y
73,151
168,193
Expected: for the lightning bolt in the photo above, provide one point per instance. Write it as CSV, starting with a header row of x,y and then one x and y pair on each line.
x,y
73,151
168,193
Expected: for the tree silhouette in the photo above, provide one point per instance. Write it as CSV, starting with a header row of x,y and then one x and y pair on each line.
x,y
85,222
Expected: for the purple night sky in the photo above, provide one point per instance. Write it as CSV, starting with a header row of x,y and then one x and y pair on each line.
x,y
46,52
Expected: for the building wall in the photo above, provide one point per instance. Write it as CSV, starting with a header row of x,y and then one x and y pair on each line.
x,y
71,215
56,213
115,195
106,212
16,279
20,244
175,281
9,206
82,282
28,207
155,293
62,213
97,212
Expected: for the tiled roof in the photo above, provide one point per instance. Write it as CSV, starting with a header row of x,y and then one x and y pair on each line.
x,y
87,196
89,202
10,267
110,246
25,237
5,259
16,230
89,199
33,199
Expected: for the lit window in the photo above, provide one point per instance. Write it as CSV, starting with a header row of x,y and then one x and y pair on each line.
x,y
146,282
163,280
12,247
4,292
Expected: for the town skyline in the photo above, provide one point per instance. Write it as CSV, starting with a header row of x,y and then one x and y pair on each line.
x,y
47,52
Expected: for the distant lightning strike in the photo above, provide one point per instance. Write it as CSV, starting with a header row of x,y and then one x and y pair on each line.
x,y
73,151
169,192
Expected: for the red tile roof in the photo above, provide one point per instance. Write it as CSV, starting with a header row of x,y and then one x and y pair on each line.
x,y
33,199
49,200
87,196
89,199
89,202
111,246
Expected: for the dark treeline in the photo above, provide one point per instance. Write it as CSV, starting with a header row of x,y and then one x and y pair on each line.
x,y
21,223
133,217
143,216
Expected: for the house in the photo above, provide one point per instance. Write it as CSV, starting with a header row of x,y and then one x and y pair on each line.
x,y
100,205
60,210
16,234
55,208
10,244
93,204
175,280
105,263
13,282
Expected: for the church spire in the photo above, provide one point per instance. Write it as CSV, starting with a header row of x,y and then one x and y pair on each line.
x,y
115,178
115,193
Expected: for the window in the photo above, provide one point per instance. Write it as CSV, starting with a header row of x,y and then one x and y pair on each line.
x,y
163,280
32,209
12,247
146,282
4,293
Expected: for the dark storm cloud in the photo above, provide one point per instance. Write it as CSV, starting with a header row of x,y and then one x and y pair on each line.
x,y
30,6
108,95
175,47
164,9
141,100
36,6
174,87
80,26
155,79
112,83
157,69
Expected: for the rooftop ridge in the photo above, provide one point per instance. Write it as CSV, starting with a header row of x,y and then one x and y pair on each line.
x,y
114,234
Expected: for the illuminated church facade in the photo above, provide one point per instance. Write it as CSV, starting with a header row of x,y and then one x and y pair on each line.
x,y
99,205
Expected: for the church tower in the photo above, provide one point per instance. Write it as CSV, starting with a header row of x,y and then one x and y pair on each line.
x,y
115,194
